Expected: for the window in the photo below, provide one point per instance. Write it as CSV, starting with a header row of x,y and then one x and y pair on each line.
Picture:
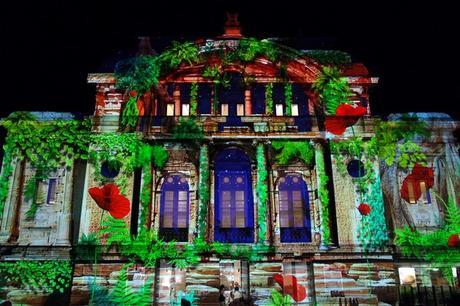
x,y
51,197
234,207
425,193
224,109
185,109
47,191
240,109
407,276
416,186
356,168
110,168
174,208
295,110
279,109
294,210
170,110
233,201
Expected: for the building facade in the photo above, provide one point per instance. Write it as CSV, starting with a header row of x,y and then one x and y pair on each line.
x,y
230,162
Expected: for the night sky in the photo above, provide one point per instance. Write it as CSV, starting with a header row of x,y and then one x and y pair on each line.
x,y
47,50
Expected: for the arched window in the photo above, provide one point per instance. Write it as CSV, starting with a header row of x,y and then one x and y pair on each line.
x,y
234,208
294,209
174,208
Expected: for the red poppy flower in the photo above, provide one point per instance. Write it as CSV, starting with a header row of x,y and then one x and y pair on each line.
x,y
109,198
345,115
133,93
453,241
412,181
291,287
364,209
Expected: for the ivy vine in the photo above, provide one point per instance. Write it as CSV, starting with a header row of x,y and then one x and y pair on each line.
x,y
219,80
289,150
188,129
288,98
372,229
323,195
332,88
39,276
203,192
394,141
261,190
194,99
329,57
433,246
147,248
46,145
130,114
269,99
7,171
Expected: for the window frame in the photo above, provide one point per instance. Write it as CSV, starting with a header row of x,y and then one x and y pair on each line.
x,y
175,227
292,232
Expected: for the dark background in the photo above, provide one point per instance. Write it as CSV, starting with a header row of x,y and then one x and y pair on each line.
x,y
47,49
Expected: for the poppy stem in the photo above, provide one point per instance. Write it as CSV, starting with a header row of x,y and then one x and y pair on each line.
x,y
93,289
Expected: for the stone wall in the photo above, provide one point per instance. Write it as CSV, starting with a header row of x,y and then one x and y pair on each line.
x,y
52,221
91,214
180,161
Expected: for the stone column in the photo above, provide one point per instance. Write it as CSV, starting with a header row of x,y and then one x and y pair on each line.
x,y
213,90
86,211
323,207
247,102
9,204
64,221
176,98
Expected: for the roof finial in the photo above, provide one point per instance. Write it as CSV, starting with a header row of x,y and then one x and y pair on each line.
x,y
145,48
232,26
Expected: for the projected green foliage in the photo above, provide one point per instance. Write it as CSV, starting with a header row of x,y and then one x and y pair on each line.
x,y
289,150
288,98
269,99
194,99
333,89
46,145
261,190
433,246
323,194
40,276
277,299
188,129
394,141
203,192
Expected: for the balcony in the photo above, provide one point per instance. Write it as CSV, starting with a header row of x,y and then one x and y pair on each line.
x,y
246,126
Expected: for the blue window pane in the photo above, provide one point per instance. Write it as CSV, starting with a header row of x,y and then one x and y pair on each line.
x,y
278,94
234,207
51,196
356,168
110,169
294,209
174,208
258,98
204,98
299,97
185,93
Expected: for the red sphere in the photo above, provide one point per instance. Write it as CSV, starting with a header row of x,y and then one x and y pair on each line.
x,y
364,209
453,241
